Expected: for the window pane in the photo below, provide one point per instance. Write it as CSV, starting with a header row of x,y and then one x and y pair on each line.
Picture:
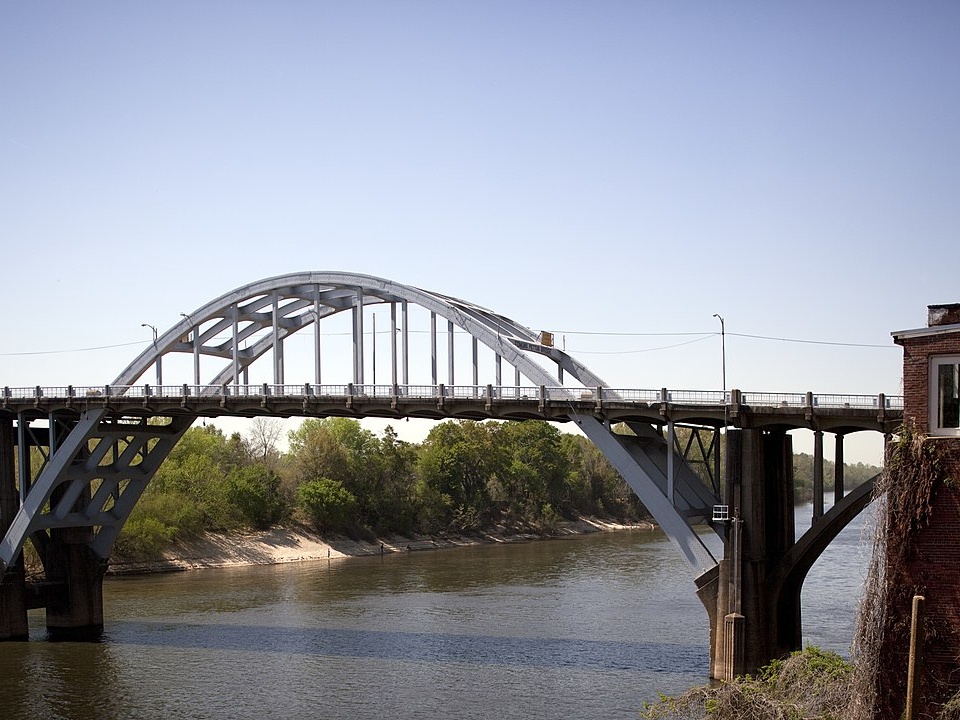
x,y
948,398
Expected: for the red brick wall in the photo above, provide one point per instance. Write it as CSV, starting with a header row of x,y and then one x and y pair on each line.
x,y
916,374
933,561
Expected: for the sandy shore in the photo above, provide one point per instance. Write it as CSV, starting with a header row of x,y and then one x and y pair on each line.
x,y
296,543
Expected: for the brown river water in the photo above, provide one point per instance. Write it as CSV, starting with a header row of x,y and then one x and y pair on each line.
x,y
582,627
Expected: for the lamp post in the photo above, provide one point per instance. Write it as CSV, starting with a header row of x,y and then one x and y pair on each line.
x,y
723,355
159,370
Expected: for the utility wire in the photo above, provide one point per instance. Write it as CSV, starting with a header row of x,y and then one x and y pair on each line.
x,y
597,333
645,350
810,342
87,349
744,335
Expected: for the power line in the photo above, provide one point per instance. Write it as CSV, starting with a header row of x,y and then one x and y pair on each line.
x,y
595,333
812,342
645,350
626,334
60,352
743,335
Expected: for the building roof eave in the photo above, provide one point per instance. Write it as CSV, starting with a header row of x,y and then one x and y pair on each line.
x,y
901,335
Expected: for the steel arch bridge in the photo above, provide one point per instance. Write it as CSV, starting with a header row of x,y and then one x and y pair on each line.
x,y
98,469
104,446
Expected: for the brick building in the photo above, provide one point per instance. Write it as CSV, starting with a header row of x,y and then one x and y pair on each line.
x,y
926,529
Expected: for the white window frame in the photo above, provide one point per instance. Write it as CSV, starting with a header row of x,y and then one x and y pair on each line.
x,y
936,362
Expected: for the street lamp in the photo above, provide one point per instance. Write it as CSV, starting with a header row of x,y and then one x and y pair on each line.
x,y
723,355
159,370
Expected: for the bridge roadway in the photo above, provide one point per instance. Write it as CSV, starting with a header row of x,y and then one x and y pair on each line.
x,y
824,412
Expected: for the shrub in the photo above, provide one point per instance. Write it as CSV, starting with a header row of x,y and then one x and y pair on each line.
x,y
328,504
254,491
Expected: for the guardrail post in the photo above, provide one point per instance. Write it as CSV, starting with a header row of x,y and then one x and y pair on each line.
x,y
38,392
598,398
809,399
266,390
106,390
542,405
146,390
307,390
69,391
186,390
6,391
664,395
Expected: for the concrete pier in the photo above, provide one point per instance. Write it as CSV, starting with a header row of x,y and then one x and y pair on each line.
x,y
13,592
75,608
754,613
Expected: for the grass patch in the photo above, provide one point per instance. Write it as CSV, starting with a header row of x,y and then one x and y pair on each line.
x,y
812,684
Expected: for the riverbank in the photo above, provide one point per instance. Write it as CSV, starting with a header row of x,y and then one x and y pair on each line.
x,y
296,543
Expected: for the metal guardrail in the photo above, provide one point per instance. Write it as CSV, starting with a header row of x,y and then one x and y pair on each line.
x,y
705,398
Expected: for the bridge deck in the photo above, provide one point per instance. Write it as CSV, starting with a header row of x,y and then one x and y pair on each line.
x,y
832,413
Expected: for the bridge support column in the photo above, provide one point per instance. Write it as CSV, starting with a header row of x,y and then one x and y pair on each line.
x,y
75,612
13,592
756,618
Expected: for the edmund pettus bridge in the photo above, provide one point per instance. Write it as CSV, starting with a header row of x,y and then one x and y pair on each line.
x,y
100,446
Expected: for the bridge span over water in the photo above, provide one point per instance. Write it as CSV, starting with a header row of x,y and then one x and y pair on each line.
x,y
237,356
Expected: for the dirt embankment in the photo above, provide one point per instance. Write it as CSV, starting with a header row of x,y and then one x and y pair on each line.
x,y
296,543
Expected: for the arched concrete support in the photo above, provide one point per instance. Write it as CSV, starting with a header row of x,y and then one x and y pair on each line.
x,y
795,565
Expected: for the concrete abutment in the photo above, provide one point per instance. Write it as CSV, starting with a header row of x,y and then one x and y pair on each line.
x,y
754,615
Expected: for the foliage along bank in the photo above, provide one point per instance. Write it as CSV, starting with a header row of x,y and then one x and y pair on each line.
x,y
338,477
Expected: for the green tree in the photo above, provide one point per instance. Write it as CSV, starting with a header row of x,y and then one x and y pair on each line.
x,y
328,504
392,505
254,490
457,461
196,471
537,474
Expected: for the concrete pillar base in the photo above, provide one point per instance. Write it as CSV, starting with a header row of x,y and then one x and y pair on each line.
x,y
734,635
76,613
13,605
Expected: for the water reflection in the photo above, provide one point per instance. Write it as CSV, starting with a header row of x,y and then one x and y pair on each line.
x,y
581,628
419,647
53,680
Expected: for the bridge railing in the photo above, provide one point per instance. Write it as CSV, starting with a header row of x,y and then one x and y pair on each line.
x,y
706,398
767,399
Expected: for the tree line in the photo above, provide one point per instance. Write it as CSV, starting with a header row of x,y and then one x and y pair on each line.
x,y
339,477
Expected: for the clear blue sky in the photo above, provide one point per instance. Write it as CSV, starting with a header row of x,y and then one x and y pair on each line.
x,y
626,167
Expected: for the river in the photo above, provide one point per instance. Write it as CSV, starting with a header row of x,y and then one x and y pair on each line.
x,y
582,627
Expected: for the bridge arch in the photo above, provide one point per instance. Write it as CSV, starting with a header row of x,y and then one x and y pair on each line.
x,y
97,472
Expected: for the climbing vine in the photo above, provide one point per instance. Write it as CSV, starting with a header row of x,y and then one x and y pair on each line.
x,y
904,493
